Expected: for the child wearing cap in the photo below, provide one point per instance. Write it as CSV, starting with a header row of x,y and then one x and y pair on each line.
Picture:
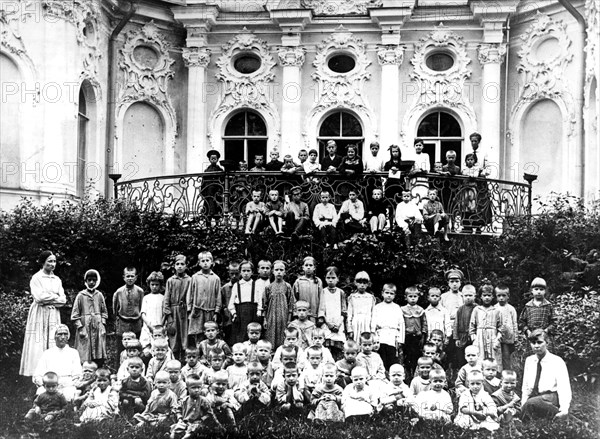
x,y
538,312
451,300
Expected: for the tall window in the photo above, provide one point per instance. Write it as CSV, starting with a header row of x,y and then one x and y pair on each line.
x,y
82,129
342,127
245,136
441,132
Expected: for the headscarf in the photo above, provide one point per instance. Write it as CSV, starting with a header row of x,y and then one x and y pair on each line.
x,y
92,271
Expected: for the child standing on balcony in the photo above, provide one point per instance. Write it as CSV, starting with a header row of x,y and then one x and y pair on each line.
x,y
351,166
259,163
374,163
332,161
275,164
204,299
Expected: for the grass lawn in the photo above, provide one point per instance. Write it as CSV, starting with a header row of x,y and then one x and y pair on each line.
x,y
17,397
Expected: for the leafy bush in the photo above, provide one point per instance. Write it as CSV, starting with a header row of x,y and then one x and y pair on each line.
x,y
14,308
578,333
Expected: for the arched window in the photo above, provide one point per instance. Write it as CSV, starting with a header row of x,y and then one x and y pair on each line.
x,y
245,136
344,128
441,132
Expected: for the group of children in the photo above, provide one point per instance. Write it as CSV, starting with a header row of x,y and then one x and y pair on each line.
x,y
304,348
419,206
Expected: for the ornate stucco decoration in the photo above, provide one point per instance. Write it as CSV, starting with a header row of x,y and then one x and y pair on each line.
x,y
443,88
341,7
390,55
196,56
543,71
11,41
245,90
146,64
592,45
291,56
341,90
491,53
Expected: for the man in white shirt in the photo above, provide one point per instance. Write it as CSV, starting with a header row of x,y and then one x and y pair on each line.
x,y
546,387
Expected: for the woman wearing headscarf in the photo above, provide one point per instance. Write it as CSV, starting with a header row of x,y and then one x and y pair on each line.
x,y
44,316
62,360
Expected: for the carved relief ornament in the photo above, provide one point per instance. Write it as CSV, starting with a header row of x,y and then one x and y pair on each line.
x,y
440,88
147,65
341,7
592,45
544,72
291,56
10,37
390,55
196,56
491,53
245,90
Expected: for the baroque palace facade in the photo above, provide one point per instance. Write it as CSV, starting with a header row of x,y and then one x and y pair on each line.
x,y
145,88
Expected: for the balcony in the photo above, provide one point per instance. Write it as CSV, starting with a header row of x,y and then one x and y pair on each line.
x,y
475,204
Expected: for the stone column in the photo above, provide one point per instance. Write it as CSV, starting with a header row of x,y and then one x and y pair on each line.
x,y
390,58
196,60
491,57
291,58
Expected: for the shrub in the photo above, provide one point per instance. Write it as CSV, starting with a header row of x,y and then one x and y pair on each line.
x,y
577,338
14,308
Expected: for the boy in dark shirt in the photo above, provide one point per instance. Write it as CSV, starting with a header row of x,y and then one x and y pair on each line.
x,y
49,405
135,390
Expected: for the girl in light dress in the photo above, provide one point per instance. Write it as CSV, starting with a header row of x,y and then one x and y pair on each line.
x,y
360,307
103,400
152,307
332,312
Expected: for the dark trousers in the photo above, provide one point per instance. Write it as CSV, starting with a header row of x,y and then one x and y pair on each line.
x,y
507,350
388,355
328,235
412,352
543,406
293,225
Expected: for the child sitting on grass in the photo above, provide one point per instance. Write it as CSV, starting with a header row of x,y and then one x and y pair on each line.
x,y
237,372
176,383
371,360
216,359
358,400
421,382
253,395
435,403
196,412
476,409
85,383
158,362
192,364
223,400
135,389
103,401
396,394
312,373
289,394
133,349
162,403
290,342
345,366
491,382
507,401
49,405
327,397
472,357
211,332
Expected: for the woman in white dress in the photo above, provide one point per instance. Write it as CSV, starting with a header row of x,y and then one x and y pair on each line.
x,y
44,316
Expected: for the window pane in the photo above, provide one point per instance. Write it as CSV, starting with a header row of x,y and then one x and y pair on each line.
x,y
234,150
331,126
449,126
341,63
429,148
439,62
350,126
429,126
256,126
247,64
235,126
256,146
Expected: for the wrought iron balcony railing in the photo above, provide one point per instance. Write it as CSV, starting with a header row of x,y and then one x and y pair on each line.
x,y
474,204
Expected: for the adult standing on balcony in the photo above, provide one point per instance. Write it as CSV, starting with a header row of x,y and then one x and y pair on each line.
x,y
211,187
44,316
484,211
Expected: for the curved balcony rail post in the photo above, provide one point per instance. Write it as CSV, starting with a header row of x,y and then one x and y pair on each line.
x,y
475,205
